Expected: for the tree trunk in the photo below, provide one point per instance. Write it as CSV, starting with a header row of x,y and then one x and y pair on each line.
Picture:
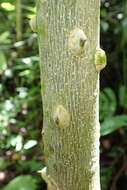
x,y
68,33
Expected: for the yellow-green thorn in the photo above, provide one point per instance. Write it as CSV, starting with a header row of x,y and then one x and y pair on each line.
x,y
100,59
33,23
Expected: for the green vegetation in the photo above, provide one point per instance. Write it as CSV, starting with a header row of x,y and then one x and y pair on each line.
x,y
21,154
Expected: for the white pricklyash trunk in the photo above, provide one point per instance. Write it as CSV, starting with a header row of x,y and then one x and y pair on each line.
x,y
70,61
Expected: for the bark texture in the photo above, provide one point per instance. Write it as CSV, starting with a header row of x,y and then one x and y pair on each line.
x,y
68,33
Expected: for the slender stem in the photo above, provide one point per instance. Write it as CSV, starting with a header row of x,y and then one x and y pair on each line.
x,y
18,20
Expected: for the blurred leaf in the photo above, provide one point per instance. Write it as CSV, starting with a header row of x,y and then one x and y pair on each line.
x,y
25,73
104,13
104,26
4,38
8,6
3,62
123,97
106,177
3,163
28,8
22,92
22,183
8,105
16,142
32,165
30,144
116,151
113,123
35,165
108,103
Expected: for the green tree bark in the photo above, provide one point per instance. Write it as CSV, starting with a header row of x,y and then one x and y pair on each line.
x,y
70,61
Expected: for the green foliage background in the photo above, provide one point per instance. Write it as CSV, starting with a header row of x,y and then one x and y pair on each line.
x,y
21,154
